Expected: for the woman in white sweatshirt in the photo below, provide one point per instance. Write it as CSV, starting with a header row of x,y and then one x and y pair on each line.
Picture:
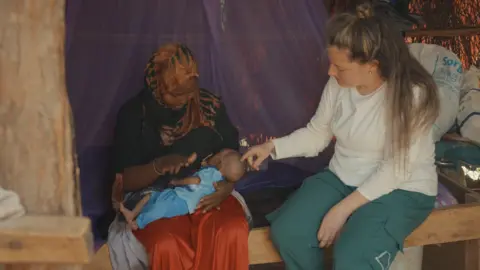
x,y
380,104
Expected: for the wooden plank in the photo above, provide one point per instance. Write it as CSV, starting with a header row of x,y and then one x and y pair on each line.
x,y
458,223
472,247
45,239
101,260
465,31
260,248
472,255
37,156
452,224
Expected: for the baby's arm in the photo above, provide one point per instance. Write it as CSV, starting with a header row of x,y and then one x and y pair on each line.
x,y
191,180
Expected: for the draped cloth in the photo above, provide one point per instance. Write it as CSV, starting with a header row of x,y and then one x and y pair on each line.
x,y
10,206
185,242
265,59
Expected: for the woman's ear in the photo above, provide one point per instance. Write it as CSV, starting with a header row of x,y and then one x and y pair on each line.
x,y
373,66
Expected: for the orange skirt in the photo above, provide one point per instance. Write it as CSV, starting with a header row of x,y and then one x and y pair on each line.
x,y
217,240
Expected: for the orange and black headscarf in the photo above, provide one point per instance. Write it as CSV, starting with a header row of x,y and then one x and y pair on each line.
x,y
168,68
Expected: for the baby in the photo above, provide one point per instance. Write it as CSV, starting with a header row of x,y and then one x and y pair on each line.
x,y
183,198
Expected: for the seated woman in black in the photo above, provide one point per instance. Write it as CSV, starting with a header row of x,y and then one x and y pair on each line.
x,y
156,134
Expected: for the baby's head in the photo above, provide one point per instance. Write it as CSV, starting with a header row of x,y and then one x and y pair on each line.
x,y
229,163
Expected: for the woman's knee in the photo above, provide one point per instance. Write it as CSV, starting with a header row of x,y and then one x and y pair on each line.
x,y
311,181
282,235
233,225
165,242
160,238
277,234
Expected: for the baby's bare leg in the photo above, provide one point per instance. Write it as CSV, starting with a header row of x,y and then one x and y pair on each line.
x,y
130,215
138,208
191,180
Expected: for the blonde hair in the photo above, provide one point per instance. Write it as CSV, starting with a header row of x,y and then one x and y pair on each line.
x,y
369,39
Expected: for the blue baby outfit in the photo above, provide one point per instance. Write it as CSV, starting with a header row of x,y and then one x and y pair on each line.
x,y
179,200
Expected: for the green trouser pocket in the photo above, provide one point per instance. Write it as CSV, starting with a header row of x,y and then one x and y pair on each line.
x,y
376,232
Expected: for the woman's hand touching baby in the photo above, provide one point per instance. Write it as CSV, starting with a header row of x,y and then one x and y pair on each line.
x,y
257,154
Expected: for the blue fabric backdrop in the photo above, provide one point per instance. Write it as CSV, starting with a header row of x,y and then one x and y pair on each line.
x,y
265,58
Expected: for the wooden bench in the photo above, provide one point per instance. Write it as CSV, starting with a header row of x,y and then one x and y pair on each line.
x,y
458,223
46,240
453,224
450,224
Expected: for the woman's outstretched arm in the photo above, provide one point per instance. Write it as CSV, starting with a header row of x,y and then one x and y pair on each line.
x,y
315,137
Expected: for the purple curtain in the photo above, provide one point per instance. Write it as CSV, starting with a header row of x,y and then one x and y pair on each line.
x,y
265,58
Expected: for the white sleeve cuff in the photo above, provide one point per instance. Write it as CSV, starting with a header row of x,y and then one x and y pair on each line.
x,y
281,148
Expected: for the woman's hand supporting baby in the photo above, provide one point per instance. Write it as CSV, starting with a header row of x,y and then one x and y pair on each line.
x,y
223,189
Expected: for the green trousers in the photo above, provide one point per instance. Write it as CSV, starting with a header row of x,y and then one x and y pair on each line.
x,y
370,239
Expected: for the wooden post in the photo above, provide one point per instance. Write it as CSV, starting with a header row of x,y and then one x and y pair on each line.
x,y
472,255
328,6
37,158
472,247
454,32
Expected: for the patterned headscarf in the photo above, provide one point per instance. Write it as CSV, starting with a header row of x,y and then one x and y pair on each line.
x,y
172,65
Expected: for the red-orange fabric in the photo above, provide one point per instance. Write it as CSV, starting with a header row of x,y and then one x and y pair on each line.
x,y
217,240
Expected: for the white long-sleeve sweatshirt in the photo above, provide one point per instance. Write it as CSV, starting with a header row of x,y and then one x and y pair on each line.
x,y
360,158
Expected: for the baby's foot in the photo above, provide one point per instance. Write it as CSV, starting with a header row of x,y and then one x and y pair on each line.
x,y
126,213
132,224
